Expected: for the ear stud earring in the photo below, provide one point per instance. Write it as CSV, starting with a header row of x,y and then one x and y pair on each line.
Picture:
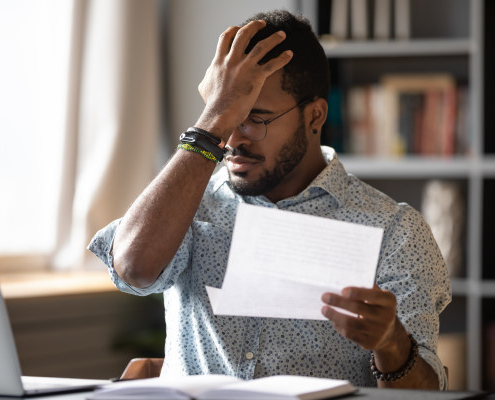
x,y
315,131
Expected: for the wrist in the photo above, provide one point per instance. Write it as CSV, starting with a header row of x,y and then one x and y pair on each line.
x,y
403,371
219,125
391,356
203,142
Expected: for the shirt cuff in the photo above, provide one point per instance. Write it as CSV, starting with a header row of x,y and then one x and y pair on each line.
x,y
435,363
101,245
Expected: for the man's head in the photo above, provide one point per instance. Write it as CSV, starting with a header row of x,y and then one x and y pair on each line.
x,y
307,74
292,102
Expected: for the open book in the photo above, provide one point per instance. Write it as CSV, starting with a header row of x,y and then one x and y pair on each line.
x,y
217,387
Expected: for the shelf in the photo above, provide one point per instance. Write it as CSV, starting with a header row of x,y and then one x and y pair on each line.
x,y
457,167
468,287
488,288
411,167
397,48
459,286
488,166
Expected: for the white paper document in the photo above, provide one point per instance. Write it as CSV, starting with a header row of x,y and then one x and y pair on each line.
x,y
281,262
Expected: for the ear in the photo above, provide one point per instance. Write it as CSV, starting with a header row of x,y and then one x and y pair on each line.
x,y
316,115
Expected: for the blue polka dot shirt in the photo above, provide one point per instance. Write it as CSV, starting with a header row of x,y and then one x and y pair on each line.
x,y
199,342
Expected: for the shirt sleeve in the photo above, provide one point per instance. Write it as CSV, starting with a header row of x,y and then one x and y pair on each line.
x,y
412,267
102,245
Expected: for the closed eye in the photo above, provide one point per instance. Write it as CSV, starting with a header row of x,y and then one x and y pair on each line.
x,y
256,120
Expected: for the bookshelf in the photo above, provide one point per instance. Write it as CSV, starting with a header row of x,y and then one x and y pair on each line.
x,y
446,36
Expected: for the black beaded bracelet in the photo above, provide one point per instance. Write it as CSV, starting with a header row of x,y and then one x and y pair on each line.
x,y
400,373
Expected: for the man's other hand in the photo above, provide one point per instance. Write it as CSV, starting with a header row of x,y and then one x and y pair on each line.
x,y
374,325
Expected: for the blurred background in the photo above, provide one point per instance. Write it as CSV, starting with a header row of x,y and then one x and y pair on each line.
x,y
94,95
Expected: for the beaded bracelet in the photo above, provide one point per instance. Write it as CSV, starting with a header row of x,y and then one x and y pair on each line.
x,y
202,142
400,373
204,153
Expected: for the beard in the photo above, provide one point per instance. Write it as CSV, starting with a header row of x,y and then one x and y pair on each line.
x,y
287,159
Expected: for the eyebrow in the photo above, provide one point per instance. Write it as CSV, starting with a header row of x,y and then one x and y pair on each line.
x,y
260,111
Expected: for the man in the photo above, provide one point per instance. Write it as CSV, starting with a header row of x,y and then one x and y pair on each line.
x,y
265,97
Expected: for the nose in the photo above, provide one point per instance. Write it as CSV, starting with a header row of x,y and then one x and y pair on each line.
x,y
237,139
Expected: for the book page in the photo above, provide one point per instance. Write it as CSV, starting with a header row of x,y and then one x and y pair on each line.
x,y
173,387
281,387
281,262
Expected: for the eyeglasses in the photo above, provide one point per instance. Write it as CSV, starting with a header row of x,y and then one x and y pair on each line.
x,y
254,128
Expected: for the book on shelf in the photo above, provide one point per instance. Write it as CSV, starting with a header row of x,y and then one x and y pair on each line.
x,y
364,121
421,114
202,387
402,19
332,133
359,19
339,16
430,130
382,19
463,143
358,114
365,19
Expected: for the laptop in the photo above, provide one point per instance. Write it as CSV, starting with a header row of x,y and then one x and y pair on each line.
x,y
12,383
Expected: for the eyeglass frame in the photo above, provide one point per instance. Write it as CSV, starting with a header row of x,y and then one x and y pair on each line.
x,y
269,121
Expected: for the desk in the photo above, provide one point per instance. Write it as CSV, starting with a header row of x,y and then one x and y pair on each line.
x,y
362,394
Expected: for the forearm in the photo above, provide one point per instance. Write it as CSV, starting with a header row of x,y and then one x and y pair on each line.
x,y
396,356
422,376
154,226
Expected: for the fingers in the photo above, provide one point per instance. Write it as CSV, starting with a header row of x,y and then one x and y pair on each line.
x,y
352,328
354,306
225,41
279,62
374,295
370,303
376,314
235,40
244,36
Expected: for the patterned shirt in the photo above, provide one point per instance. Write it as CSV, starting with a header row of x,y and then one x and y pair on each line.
x,y
199,342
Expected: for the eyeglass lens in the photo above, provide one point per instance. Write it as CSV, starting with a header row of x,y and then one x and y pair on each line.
x,y
253,128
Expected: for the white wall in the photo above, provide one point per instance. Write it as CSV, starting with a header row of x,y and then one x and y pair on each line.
x,y
193,27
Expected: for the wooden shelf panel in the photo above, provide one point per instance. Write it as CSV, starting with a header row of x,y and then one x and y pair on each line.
x,y
41,284
397,48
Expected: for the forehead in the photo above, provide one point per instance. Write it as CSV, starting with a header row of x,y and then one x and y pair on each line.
x,y
272,92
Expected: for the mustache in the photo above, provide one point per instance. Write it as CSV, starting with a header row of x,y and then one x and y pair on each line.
x,y
241,151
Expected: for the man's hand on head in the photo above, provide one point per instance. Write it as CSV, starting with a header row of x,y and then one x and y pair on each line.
x,y
234,79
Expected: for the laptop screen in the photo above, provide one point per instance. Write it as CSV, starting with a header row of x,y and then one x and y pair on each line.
x,y
10,368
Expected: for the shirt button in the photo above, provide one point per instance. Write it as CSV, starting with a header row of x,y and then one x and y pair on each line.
x,y
249,355
306,194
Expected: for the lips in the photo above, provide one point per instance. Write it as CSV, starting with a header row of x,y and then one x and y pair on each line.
x,y
240,163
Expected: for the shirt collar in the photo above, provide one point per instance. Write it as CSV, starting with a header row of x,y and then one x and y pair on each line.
x,y
333,179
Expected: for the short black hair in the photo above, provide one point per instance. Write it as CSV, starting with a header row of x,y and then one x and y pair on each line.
x,y
307,75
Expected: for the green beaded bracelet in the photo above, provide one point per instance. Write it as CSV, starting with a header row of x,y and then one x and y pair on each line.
x,y
204,153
